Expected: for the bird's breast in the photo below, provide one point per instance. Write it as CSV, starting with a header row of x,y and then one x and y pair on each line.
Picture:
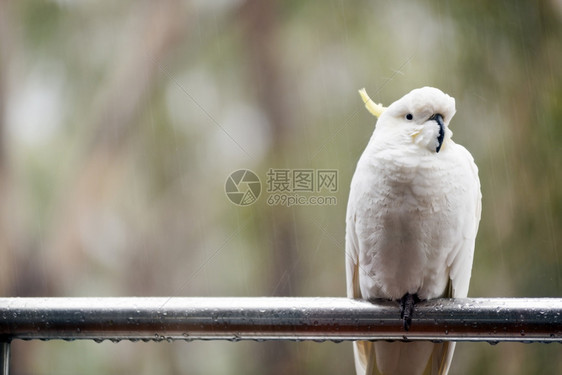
x,y
403,210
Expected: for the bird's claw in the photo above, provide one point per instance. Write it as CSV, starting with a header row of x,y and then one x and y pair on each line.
x,y
407,303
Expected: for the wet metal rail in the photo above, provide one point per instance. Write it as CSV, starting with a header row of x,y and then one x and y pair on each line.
x,y
272,318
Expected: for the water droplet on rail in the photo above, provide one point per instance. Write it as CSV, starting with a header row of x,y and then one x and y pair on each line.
x,y
235,338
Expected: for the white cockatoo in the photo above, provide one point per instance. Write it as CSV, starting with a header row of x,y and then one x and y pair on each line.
x,y
412,217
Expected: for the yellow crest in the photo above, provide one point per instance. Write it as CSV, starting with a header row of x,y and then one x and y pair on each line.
x,y
375,109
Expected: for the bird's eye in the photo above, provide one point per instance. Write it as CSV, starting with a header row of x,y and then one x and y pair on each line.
x,y
409,116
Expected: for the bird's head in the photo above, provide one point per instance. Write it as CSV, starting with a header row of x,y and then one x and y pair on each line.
x,y
420,117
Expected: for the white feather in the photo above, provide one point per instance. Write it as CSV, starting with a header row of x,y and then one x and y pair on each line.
x,y
412,219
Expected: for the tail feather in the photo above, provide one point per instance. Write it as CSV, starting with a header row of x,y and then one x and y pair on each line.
x,y
364,354
365,357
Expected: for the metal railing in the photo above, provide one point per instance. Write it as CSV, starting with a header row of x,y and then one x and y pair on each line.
x,y
275,318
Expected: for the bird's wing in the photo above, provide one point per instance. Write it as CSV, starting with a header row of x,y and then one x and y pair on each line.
x,y
363,351
352,258
460,261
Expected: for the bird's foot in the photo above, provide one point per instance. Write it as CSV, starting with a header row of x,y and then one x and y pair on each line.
x,y
407,303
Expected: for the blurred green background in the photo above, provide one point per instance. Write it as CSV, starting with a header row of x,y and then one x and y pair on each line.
x,y
121,121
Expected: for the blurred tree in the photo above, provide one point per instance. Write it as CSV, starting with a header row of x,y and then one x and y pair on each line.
x,y
265,67
113,120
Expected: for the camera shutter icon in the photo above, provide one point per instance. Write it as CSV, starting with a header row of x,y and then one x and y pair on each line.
x,y
243,187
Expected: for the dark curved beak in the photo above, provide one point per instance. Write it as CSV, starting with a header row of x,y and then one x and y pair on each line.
x,y
439,119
